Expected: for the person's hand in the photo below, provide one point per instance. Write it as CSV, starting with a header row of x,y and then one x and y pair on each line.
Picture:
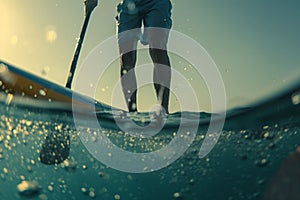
x,y
90,5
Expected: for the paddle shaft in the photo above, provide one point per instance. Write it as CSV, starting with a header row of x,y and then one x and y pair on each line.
x,y
89,7
77,51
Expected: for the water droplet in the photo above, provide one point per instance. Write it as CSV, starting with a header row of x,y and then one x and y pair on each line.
x,y
42,92
43,197
28,188
261,181
296,98
101,174
3,68
117,196
9,98
261,163
84,190
45,71
192,181
92,193
266,134
130,177
177,195
133,106
131,6
265,127
5,170
29,168
94,139
50,188
69,166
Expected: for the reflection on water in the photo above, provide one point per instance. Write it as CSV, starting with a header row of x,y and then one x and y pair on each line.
x,y
239,167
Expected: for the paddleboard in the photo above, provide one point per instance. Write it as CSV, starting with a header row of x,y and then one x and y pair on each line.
x,y
15,82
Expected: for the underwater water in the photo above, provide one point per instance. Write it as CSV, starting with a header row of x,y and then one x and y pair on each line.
x,y
253,144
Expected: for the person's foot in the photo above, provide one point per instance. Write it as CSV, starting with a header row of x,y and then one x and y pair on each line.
x,y
120,114
159,114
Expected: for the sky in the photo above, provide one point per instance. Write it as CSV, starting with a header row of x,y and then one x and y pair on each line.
x,y
254,44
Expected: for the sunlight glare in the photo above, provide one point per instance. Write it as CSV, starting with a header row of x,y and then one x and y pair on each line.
x,y
51,34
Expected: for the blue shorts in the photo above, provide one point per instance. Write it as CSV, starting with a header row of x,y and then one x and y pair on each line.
x,y
132,14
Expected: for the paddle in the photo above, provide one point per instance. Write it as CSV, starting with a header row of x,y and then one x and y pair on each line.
x,y
89,7
56,146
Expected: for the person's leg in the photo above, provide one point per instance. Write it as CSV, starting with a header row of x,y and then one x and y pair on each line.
x,y
128,79
129,24
157,23
161,76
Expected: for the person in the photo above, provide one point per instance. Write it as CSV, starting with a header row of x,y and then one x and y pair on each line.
x,y
155,17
